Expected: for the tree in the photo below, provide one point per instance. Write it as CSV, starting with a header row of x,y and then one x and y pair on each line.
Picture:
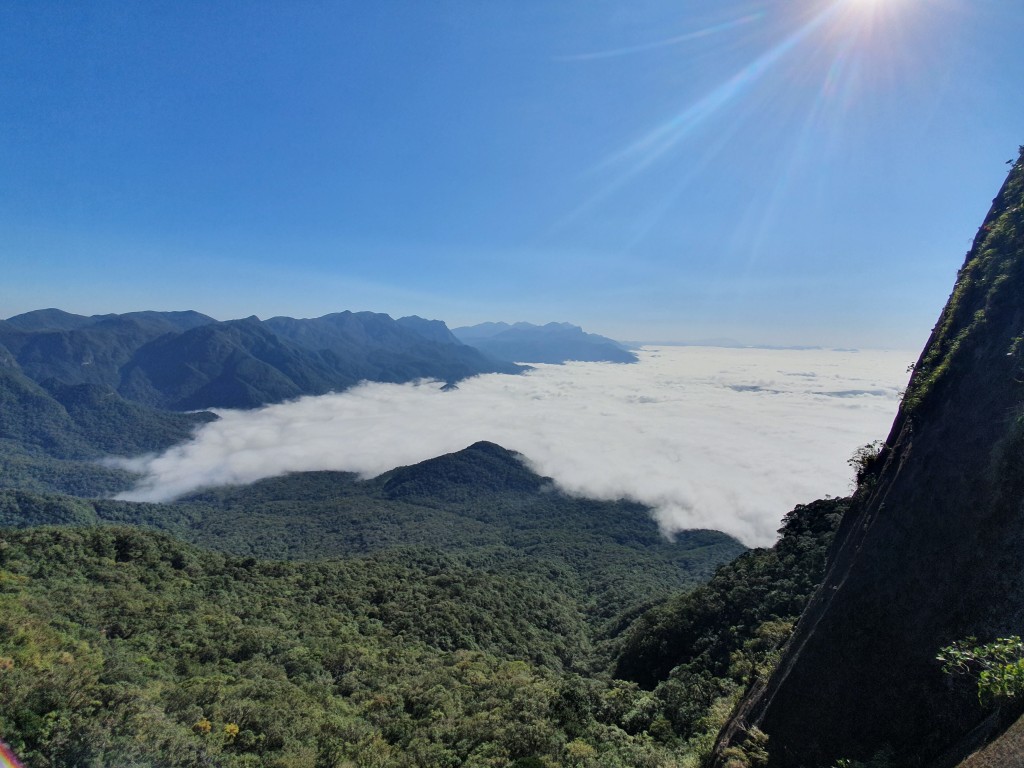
x,y
998,666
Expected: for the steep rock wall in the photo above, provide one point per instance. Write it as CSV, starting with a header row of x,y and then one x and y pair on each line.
x,y
933,550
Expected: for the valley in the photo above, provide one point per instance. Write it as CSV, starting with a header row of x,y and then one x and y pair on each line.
x,y
460,610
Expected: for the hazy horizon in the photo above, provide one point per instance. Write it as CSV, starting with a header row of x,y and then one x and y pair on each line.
x,y
682,340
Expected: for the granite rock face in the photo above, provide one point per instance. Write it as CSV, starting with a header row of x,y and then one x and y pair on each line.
x,y
932,550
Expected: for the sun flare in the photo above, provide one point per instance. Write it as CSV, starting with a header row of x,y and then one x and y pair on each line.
x,y
872,6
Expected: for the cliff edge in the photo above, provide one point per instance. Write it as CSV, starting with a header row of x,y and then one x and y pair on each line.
x,y
932,550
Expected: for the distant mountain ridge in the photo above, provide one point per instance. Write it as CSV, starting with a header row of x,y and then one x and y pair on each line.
x,y
552,343
189,361
51,434
435,330
59,320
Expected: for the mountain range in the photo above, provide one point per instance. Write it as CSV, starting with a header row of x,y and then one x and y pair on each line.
x,y
552,343
468,570
188,361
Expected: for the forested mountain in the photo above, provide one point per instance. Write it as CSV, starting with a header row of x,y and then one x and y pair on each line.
x,y
460,611
58,320
121,647
51,437
124,646
930,553
551,343
186,361
761,586
435,330
482,499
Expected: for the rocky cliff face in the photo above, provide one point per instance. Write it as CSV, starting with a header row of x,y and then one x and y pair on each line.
x,y
932,551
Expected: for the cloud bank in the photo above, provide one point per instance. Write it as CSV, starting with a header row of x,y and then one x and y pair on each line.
x,y
708,437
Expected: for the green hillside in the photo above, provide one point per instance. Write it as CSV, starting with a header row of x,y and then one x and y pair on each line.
x,y
610,555
122,646
456,612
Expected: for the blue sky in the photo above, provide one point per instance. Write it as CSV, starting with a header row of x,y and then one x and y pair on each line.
x,y
798,172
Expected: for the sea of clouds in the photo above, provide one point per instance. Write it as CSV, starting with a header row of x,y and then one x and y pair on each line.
x,y
708,437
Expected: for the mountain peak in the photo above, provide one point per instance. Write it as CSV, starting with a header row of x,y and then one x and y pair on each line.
x,y
483,467
48,319
433,330
553,343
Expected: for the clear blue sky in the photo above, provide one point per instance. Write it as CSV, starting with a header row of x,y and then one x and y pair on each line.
x,y
805,171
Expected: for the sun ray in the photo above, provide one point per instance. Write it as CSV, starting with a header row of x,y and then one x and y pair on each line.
x,y
828,58
714,29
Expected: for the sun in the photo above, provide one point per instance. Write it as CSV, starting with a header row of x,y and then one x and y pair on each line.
x,y
870,17
872,6
867,7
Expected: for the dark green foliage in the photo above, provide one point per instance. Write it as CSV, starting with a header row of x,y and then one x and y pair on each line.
x,y
34,471
51,440
998,667
123,645
707,644
112,425
866,462
452,478
31,419
758,586
82,421
470,628
480,498
119,646
90,354
20,509
467,627
610,555
235,364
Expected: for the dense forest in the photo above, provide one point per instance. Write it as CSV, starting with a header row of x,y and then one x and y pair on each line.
x,y
455,612
121,645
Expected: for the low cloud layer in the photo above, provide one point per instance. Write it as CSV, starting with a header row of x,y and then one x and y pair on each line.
x,y
729,439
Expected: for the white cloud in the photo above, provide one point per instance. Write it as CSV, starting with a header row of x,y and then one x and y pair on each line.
x,y
729,439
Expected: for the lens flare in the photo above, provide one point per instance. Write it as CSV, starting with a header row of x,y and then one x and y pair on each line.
x,y
831,59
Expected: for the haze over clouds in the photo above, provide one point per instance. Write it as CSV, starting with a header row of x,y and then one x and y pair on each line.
x,y
729,439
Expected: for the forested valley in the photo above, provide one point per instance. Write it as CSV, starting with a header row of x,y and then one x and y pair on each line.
x,y
456,612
